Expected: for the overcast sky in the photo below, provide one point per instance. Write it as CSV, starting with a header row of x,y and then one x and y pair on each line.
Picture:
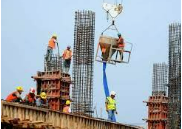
x,y
28,25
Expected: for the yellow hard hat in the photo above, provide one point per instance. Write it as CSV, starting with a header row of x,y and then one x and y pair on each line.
x,y
19,88
54,35
43,95
68,102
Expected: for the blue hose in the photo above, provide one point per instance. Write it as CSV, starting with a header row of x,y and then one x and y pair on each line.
x,y
106,89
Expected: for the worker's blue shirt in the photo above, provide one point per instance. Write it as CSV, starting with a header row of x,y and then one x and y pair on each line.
x,y
40,102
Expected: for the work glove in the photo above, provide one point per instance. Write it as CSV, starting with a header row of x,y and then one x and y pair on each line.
x,y
116,112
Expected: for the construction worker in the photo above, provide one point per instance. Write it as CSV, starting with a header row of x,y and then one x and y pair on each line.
x,y
42,100
30,97
121,45
16,95
111,106
51,46
67,59
66,108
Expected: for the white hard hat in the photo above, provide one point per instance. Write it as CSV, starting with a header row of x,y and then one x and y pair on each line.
x,y
32,90
113,93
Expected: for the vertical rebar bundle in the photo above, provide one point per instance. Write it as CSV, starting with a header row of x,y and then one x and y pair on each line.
x,y
83,59
54,64
174,91
159,79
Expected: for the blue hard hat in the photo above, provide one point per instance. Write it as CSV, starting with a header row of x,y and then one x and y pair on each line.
x,y
119,34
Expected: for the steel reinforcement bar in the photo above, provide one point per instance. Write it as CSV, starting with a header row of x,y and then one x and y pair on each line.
x,y
83,61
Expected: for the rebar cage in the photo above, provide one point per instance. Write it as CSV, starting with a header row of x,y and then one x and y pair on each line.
x,y
174,112
83,60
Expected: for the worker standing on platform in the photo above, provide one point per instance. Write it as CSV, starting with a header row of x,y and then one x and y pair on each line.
x,y
15,96
66,108
51,46
30,97
121,45
42,100
111,106
67,55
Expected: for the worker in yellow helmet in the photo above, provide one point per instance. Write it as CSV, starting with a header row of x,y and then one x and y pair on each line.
x,y
42,100
51,46
16,95
111,106
66,108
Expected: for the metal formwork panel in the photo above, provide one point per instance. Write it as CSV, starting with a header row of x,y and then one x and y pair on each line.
x,y
83,59
57,87
158,102
174,112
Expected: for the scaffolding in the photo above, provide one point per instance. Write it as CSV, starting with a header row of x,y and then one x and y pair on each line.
x,y
174,91
160,79
83,59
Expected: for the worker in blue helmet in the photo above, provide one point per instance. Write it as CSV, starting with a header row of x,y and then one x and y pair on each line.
x,y
119,34
121,45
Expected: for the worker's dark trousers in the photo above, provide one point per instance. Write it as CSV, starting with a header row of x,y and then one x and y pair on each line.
x,y
67,63
49,54
111,115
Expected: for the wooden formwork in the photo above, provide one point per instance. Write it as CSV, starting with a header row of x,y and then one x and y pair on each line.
x,y
41,118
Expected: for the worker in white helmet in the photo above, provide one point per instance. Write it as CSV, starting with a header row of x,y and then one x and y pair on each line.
x,y
111,106
30,97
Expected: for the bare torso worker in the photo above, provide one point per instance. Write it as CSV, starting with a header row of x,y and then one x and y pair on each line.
x,y
15,96
111,106
51,46
121,45
67,55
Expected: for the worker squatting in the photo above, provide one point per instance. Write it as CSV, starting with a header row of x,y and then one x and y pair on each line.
x,y
33,100
67,54
42,101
